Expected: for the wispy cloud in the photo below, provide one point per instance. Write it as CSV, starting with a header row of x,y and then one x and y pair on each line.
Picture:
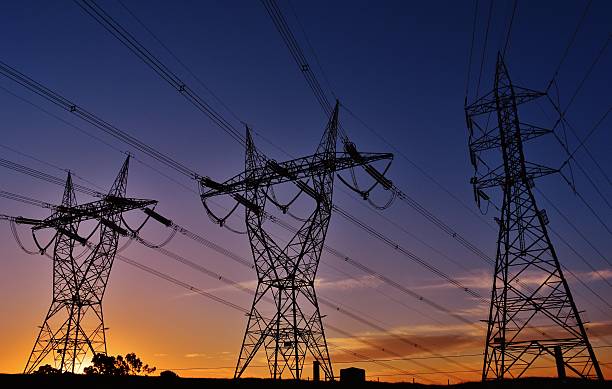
x,y
476,280
399,343
347,283
483,280
195,355
595,275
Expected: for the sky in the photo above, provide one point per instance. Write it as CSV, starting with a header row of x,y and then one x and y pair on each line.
x,y
400,67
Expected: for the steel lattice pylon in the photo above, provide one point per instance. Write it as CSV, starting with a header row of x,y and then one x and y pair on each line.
x,y
74,324
286,275
514,342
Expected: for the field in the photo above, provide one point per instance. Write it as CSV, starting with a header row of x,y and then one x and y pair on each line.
x,y
91,382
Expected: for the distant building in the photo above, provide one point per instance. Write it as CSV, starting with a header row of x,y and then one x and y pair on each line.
x,y
352,375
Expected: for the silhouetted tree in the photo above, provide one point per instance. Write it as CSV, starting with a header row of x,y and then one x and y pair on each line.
x,y
109,365
104,365
47,370
135,365
168,374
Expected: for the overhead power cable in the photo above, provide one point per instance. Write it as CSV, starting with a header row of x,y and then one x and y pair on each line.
x,y
506,45
94,120
469,67
129,41
577,231
46,177
178,60
26,200
569,44
297,54
588,135
411,255
484,47
563,120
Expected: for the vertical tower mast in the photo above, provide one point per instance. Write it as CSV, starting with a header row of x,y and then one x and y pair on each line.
x,y
74,324
514,342
286,274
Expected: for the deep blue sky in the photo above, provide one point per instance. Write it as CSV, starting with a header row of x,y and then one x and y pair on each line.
x,y
400,65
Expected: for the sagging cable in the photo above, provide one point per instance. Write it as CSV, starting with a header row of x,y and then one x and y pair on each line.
x,y
19,243
159,245
42,250
386,205
283,207
214,218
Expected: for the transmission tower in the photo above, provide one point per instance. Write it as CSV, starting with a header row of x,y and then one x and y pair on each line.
x,y
515,339
74,324
286,275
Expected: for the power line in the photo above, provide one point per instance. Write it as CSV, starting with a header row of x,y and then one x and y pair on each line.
x,y
297,54
414,236
312,50
577,231
177,59
509,28
89,117
484,47
569,44
410,255
275,13
128,40
563,112
45,177
469,67
588,73
589,134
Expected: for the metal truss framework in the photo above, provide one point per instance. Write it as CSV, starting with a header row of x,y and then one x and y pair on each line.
x,y
524,250
74,324
286,275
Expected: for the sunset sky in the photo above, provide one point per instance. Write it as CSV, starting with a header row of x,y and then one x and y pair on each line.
x,y
401,67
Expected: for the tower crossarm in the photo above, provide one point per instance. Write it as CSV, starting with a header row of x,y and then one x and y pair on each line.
x,y
488,103
107,206
272,172
491,139
497,177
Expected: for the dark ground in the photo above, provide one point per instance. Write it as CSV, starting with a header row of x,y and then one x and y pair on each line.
x,y
92,382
